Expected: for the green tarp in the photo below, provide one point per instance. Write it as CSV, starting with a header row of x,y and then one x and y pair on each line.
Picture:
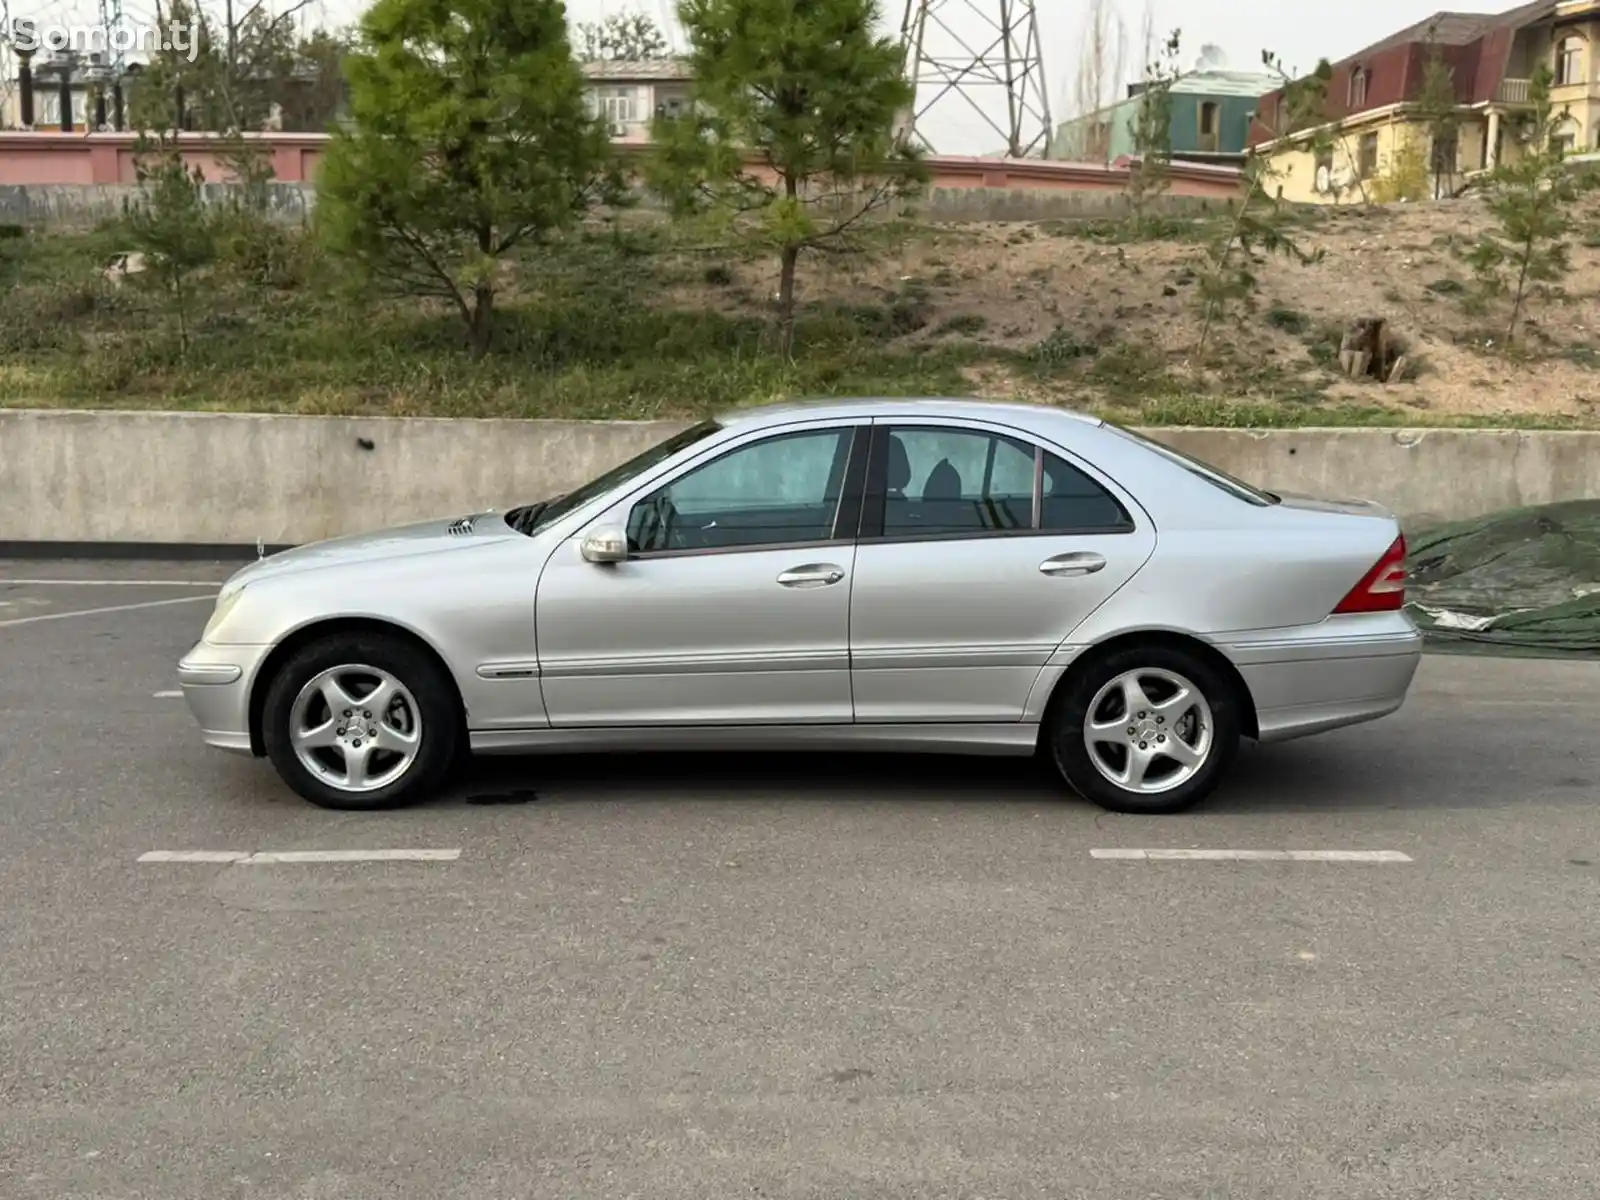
x,y
1526,581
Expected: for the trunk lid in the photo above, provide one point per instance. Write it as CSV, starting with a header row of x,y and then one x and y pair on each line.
x,y
1343,507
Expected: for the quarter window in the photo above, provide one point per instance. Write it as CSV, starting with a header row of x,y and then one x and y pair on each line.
x,y
943,482
777,491
1071,502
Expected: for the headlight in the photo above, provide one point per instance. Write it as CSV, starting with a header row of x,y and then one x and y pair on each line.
x,y
225,602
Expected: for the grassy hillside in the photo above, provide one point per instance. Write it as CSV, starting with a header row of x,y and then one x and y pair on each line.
x,y
643,320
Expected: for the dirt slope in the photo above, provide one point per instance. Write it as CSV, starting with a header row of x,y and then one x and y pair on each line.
x,y
1117,316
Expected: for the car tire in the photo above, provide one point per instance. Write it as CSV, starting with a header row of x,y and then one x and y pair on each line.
x,y
395,773
1203,733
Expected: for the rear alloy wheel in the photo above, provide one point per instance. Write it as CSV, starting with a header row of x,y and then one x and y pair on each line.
x,y
1146,730
361,722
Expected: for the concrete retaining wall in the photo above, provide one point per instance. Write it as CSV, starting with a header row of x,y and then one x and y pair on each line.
x,y
234,478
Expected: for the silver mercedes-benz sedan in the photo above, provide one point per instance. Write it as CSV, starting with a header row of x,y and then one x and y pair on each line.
x,y
903,575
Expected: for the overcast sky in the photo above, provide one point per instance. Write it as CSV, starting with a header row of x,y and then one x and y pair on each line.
x,y
1297,32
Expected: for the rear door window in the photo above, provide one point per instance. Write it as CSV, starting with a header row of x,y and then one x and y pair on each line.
x,y
937,481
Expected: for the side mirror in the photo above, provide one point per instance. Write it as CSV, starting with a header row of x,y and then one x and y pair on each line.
x,y
605,546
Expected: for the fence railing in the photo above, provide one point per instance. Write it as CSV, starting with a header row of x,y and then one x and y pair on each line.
x,y
1513,91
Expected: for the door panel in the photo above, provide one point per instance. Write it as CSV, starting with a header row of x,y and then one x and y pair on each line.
x,y
697,639
980,554
733,605
959,630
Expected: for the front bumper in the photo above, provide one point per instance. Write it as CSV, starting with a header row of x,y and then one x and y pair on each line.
x,y
216,683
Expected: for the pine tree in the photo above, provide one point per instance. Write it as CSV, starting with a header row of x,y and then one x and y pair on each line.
x,y
793,137
470,136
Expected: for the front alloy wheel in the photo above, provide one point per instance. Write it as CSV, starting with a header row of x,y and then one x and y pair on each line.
x,y
356,728
362,721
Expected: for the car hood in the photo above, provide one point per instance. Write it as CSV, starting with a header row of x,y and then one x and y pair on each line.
x,y
401,541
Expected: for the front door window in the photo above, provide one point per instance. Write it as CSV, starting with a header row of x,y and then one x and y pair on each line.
x,y
779,491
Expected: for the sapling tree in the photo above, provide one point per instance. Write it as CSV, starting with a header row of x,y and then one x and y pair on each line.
x,y
169,223
1436,105
1532,196
1257,229
13,253
1151,130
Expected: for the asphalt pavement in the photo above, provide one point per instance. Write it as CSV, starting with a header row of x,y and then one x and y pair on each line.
x,y
808,976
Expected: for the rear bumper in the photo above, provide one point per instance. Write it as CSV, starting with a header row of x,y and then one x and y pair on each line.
x,y
216,682
1342,671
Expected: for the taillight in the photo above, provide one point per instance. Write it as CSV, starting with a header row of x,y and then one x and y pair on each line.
x,y
1382,589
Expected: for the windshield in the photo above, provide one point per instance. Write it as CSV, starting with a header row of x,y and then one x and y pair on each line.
x,y
532,517
1213,476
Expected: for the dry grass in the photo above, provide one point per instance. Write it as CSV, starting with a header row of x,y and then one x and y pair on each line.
x,y
654,320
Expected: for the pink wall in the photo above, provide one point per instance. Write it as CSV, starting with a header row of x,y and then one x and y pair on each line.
x,y
46,158
43,158
1029,174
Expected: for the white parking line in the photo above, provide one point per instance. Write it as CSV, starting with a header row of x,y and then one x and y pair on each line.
x,y
245,858
95,612
1374,856
172,695
343,856
110,582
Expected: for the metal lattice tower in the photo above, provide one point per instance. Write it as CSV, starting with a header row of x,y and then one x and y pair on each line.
x,y
8,64
111,22
986,53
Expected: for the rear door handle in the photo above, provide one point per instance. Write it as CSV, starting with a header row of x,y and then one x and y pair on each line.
x,y
1077,563
811,575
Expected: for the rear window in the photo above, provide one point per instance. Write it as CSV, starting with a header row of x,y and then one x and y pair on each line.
x,y
1212,475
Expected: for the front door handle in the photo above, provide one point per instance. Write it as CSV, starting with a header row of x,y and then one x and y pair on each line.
x,y
1077,563
811,575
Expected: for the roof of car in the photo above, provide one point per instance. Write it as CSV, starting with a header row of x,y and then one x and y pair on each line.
x,y
969,406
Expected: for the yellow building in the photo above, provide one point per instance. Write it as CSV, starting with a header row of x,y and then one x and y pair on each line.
x,y
1381,146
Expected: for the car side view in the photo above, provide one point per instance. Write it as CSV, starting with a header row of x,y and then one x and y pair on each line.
x,y
904,575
